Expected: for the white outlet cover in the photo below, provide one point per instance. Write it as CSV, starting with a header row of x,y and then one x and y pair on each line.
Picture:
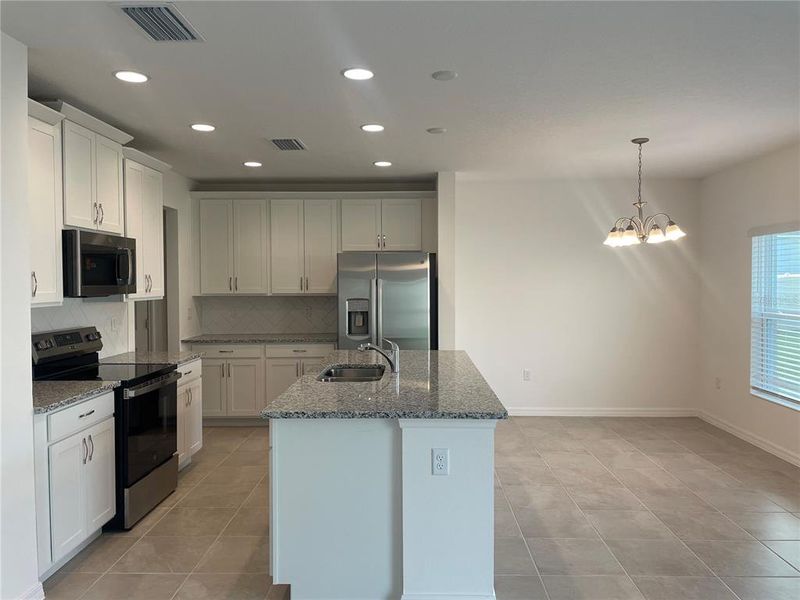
x,y
440,461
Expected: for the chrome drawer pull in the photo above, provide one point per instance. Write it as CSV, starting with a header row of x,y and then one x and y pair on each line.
x,y
91,412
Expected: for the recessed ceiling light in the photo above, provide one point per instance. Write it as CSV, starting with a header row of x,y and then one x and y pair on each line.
x,y
252,163
372,128
436,130
382,163
444,75
131,76
204,127
358,74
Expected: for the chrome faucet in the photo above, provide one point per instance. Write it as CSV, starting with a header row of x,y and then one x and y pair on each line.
x,y
392,356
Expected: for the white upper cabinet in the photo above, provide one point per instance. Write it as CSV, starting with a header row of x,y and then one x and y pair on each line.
x,y
304,240
93,188
286,237
401,221
374,225
144,207
233,246
216,247
361,225
46,211
250,247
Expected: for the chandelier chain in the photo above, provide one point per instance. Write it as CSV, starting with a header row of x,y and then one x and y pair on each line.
x,y
640,174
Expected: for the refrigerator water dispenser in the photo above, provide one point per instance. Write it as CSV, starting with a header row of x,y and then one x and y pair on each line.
x,y
358,317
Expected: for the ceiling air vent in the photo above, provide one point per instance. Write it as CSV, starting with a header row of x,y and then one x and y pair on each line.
x,y
288,144
161,22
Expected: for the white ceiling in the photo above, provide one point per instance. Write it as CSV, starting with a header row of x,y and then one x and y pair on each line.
x,y
544,89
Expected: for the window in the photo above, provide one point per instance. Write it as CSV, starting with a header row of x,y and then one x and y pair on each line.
x,y
775,317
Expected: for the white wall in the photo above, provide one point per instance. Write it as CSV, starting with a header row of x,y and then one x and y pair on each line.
x,y
602,330
445,202
18,570
760,192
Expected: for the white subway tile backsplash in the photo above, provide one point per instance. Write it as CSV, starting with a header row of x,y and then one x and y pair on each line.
x,y
268,314
110,316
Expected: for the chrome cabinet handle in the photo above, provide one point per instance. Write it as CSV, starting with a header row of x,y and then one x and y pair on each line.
x,y
191,397
224,352
297,369
96,217
230,284
91,452
301,283
187,373
299,350
85,450
86,414
379,241
35,283
229,369
223,369
102,213
306,283
384,241
236,284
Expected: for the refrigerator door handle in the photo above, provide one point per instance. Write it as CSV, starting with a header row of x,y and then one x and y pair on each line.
x,y
373,306
379,312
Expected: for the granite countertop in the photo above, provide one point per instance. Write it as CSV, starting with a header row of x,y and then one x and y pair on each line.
x,y
127,358
442,384
51,395
262,338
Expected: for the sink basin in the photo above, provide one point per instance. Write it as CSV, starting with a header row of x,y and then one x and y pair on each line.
x,y
351,373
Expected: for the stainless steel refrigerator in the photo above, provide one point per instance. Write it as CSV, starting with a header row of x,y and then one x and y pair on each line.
x,y
387,295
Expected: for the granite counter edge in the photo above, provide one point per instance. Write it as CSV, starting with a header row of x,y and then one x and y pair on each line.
x,y
77,398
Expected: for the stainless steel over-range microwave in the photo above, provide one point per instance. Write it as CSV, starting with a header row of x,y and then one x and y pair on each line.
x,y
98,264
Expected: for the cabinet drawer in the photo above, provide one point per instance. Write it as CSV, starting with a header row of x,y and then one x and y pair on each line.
x,y
79,416
232,350
299,351
189,371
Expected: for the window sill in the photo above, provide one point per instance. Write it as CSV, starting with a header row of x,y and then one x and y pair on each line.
x,y
775,399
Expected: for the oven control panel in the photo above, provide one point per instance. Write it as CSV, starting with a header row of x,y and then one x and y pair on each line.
x,y
51,345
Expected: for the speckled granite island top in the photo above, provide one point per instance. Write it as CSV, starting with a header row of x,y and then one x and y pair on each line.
x,y
126,358
441,384
52,395
262,338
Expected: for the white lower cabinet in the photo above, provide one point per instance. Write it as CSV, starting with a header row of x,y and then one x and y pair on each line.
x,y
281,373
286,364
233,380
75,475
190,411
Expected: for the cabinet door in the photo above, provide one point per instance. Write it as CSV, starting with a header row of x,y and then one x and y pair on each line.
x,y
134,228
286,252
216,247
245,387
67,494
109,185
80,206
182,418
194,418
319,225
281,373
101,500
401,220
250,247
361,225
215,387
153,220
46,211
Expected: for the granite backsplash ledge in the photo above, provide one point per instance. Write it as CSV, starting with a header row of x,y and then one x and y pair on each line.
x,y
268,314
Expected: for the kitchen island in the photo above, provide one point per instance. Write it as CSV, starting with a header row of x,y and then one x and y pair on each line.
x,y
384,489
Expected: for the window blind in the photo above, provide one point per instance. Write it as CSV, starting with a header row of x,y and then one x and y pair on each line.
x,y
775,315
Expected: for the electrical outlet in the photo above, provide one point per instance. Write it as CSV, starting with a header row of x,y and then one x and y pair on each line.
x,y
718,383
114,324
440,461
526,374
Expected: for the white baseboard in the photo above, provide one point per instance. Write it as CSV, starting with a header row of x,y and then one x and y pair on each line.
x,y
756,440
448,597
35,593
591,411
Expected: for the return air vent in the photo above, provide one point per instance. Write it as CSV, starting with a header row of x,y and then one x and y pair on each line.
x,y
162,22
288,144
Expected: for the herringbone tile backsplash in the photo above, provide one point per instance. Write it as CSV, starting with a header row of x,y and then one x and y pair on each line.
x,y
268,314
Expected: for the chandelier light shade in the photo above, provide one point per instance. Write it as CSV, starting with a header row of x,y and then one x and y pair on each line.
x,y
638,229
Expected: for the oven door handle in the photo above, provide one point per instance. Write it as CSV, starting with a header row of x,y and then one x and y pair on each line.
x,y
149,387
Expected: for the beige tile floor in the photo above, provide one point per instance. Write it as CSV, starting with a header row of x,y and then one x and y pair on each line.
x,y
633,508
208,541
585,509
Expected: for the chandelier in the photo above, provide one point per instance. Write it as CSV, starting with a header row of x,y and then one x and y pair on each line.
x,y
638,229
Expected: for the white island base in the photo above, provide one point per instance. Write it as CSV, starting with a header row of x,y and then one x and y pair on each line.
x,y
356,512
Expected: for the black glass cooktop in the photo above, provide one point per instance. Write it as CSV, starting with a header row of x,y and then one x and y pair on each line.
x,y
128,374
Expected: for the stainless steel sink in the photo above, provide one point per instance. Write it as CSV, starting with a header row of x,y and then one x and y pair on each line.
x,y
351,373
